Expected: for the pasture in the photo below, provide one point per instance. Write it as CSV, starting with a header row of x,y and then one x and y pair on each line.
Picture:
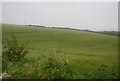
x,y
85,51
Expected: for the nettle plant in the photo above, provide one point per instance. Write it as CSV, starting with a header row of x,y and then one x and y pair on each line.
x,y
14,51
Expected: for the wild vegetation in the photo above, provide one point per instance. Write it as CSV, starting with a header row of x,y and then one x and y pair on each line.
x,y
59,54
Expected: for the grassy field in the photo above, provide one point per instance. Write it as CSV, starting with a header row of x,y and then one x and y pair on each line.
x,y
85,51
113,33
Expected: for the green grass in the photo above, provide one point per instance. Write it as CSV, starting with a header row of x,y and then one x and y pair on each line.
x,y
113,33
86,51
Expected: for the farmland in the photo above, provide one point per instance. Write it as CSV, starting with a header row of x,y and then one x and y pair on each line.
x,y
85,51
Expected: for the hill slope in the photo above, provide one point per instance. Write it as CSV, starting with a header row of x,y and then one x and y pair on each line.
x,y
85,50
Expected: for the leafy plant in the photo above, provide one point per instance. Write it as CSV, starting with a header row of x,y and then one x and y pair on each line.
x,y
56,69
14,51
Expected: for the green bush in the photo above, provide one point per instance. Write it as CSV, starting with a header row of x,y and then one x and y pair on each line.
x,y
13,51
33,69
57,69
24,69
54,68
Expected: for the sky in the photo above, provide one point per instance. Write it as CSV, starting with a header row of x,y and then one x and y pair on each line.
x,y
0,17
96,16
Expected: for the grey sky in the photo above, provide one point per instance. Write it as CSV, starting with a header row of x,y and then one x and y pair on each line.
x,y
81,15
0,12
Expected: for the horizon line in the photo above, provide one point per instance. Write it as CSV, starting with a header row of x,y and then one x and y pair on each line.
x,y
60,27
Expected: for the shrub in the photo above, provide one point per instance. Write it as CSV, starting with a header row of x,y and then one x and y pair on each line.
x,y
56,69
14,51
24,69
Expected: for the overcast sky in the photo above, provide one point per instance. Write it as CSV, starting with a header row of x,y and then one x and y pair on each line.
x,y
81,15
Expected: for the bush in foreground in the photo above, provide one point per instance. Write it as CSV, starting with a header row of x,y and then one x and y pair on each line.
x,y
13,51
54,69
57,69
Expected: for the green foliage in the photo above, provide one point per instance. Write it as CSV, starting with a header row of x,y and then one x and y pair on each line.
x,y
57,69
54,69
24,69
14,51
33,69
105,72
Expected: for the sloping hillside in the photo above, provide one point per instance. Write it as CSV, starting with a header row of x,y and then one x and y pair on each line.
x,y
84,50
